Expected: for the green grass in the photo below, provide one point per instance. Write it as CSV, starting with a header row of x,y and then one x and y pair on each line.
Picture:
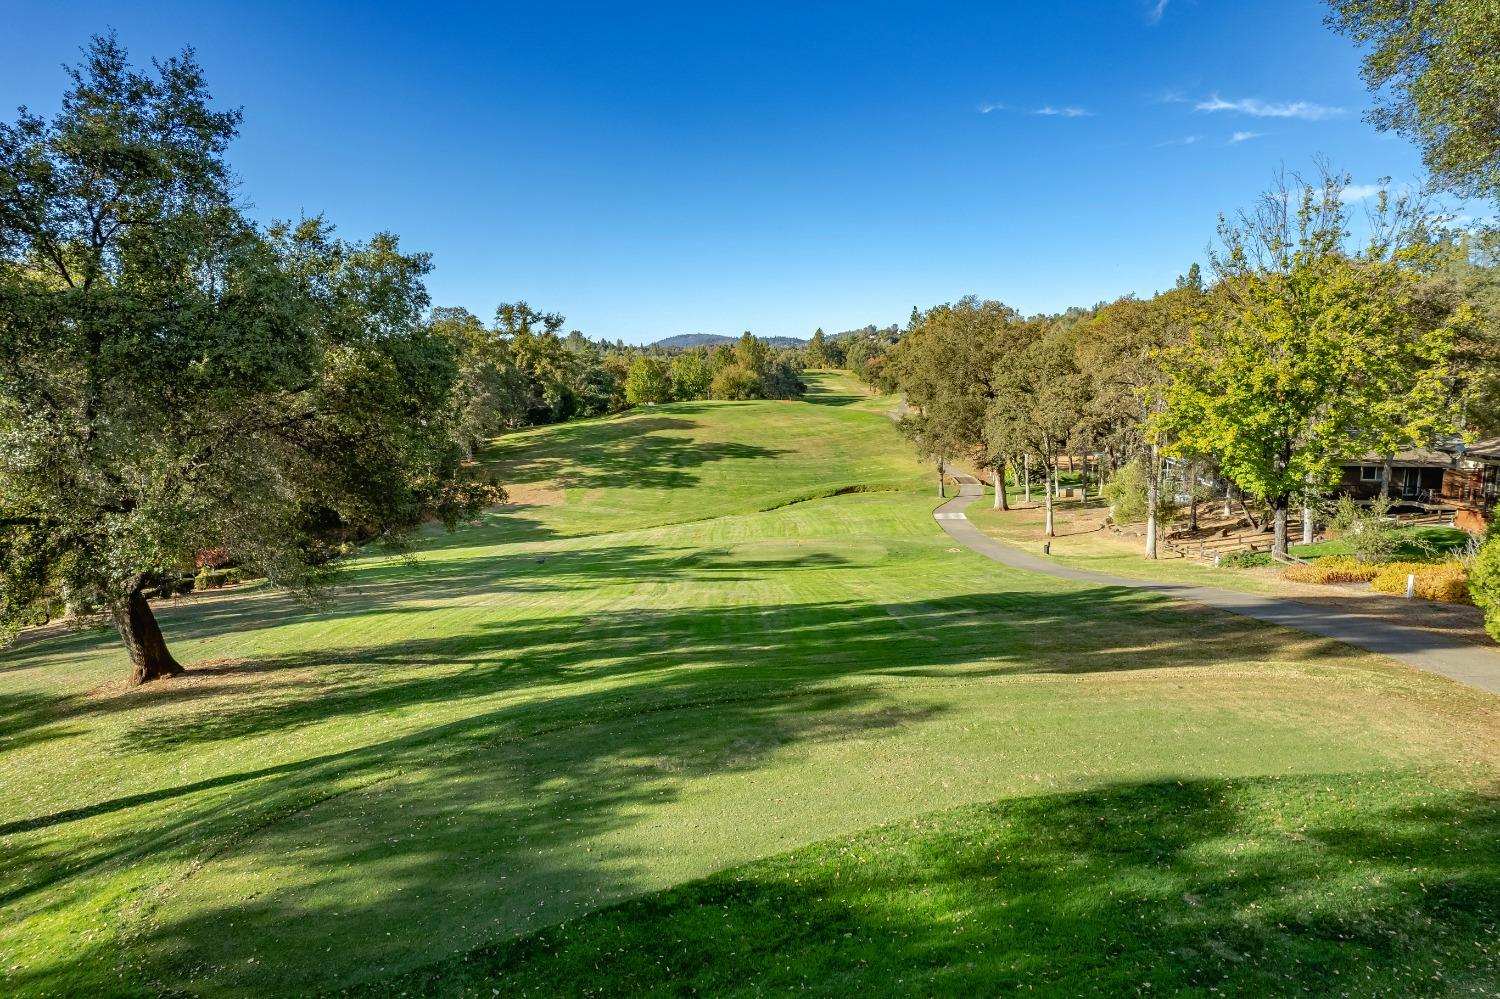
x,y
1253,887
540,726
693,461
1428,543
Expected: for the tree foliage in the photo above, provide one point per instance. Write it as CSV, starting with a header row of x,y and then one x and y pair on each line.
x,y
1308,349
1433,66
1484,581
733,382
947,364
648,381
1041,397
173,379
691,375
1129,494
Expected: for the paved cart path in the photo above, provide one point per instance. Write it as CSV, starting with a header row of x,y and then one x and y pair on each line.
x,y
1425,650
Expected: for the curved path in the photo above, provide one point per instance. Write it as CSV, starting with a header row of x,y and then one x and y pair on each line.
x,y
1425,650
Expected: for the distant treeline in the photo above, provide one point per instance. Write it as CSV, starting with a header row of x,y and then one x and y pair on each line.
x,y
521,370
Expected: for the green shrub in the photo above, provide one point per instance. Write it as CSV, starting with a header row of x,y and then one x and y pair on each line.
x,y
233,577
735,382
649,380
690,375
1369,532
1446,581
1484,581
1246,560
1333,569
209,579
1126,492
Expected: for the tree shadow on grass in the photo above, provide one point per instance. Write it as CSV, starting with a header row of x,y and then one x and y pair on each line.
x,y
647,654
462,824
1324,885
570,728
642,452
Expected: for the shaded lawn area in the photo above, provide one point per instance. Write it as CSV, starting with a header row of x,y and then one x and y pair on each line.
x,y
525,723
1324,884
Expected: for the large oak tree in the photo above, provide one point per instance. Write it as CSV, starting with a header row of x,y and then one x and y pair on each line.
x,y
946,367
173,378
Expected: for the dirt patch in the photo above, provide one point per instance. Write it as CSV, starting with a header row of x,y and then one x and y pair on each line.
x,y
534,494
204,678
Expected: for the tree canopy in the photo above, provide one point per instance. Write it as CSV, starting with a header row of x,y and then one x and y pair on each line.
x,y
1433,68
1309,349
174,379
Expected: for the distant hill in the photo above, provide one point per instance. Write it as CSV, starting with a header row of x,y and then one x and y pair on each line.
x,y
683,341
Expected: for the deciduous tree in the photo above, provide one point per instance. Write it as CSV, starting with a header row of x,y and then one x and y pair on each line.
x,y
648,381
1310,349
1041,401
946,366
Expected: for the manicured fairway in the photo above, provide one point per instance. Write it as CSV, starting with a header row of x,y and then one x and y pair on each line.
x,y
502,764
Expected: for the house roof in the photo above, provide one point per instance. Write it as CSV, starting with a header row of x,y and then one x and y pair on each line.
x,y
1444,455
1489,447
1425,457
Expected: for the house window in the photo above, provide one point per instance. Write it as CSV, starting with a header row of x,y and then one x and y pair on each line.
x,y
1371,473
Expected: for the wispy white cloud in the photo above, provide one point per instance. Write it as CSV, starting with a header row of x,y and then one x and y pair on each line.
x,y
987,108
1239,137
1186,140
1065,112
1154,15
1257,108
1361,192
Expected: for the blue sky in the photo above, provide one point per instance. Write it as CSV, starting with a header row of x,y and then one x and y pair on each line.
x,y
650,169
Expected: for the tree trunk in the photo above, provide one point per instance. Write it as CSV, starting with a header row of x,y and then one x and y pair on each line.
x,y
1228,495
1279,539
1050,531
1245,509
149,656
1153,498
1307,523
942,494
1385,477
1026,463
1001,502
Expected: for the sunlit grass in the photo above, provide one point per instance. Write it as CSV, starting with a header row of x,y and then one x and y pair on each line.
x,y
530,720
